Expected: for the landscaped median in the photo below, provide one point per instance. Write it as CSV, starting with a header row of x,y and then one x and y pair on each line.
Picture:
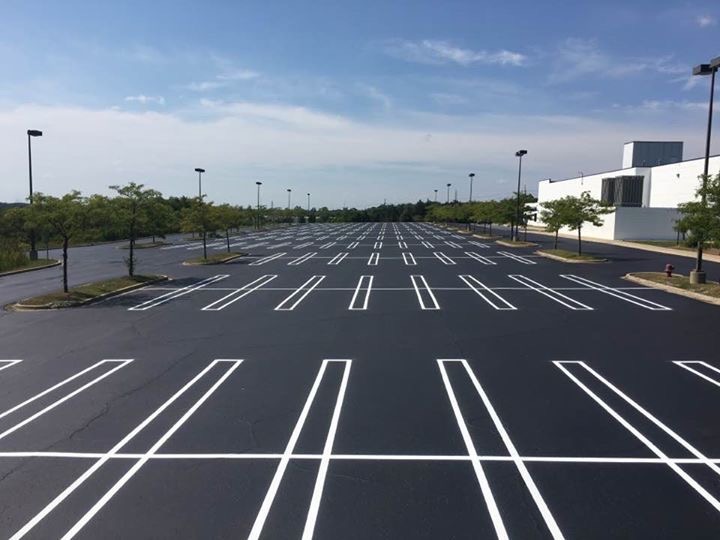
x,y
677,284
219,258
515,243
569,256
86,293
29,266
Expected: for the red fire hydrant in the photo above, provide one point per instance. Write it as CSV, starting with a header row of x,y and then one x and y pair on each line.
x,y
669,269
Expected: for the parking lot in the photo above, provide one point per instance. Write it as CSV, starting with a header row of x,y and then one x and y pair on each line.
x,y
365,381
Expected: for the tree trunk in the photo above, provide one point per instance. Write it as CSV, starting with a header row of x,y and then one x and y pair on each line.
x,y
66,241
556,238
227,237
131,262
579,241
204,245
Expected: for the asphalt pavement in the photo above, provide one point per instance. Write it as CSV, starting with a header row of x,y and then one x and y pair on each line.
x,y
362,381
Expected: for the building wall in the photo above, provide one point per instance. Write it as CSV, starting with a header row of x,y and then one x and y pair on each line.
x,y
633,224
676,183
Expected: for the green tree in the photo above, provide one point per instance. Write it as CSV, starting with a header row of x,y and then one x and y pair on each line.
x,y
66,216
581,210
227,217
555,216
701,218
200,217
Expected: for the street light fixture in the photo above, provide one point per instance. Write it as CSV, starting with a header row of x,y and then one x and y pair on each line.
x,y
519,154
258,203
32,133
698,275
471,175
448,193
199,171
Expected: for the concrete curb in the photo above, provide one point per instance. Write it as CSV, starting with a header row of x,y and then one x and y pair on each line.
x,y
18,306
488,238
25,270
511,245
571,261
222,261
672,290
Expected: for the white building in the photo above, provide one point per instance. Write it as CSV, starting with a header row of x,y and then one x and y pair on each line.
x,y
645,192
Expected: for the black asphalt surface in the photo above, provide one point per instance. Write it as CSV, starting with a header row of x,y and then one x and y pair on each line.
x,y
445,388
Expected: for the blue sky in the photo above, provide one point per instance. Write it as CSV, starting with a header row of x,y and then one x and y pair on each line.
x,y
355,102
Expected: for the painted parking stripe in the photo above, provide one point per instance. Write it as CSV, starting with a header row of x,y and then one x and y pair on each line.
x,y
402,245
251,246
328,245
167,297
297,296
361,296
453,244
266,260
353,245
490,296
563,366
479,244
78,526
480,258
509,445
306,244
428,245
693,365
424,293
409,259
622,295
277,246
517,258
302,259
378,245
4,364
557,296
374,258
443,258
337,259
234,296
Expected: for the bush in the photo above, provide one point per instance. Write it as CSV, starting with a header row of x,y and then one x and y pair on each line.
x,y
12,254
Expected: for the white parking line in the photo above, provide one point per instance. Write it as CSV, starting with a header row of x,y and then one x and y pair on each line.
x,y
337,259
479,244
480,258
517,258
686,365
557,296
328,245
409,259
299,294
622,295
4,364
177,294
302,259
234,296
443,258
378,245
306,244
362,293
402,245
353,245
266,260
428,245
423,290
453,244
374,258
480,288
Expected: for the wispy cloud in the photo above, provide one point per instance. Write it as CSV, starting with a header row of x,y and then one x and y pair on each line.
x,y
146,100
227,77
704,21
663,105
238,75
430,51
376,95
442,98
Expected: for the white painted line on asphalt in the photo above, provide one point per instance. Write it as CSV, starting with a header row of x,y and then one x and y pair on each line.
x,y
266,260
162,299
517,258
328,245
402,245
492,508
428,245
409,259
277,246
300,293
443,258
423,292
480,258
480,288
362,293
4,364
479,244
114,450
353,245
453,244
337,259
519,464
378,245
302,259
306,244
155,447
557,296
642,438
374,258
686,365
622,295
325,461
236,295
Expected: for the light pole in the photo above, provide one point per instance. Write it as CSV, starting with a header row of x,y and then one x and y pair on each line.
x,y
471,175
308,206
698,275
436,195
32,133
289,192
258,203
199,171
448,193
519,154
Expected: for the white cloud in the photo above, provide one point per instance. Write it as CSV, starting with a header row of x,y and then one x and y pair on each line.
x,y
146,100
205,86
704,21
224,79
375,94
442,98
430,51
238,75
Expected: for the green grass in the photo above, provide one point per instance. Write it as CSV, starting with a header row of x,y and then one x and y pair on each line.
x,y
216,258
86,292
572,255
27,265
681,282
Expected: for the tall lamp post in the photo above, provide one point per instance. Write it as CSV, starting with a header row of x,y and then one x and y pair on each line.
x,y
519,154
289,192
258,203
308,195
448,192
32,133
436,195
471,175
200,172
698,275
